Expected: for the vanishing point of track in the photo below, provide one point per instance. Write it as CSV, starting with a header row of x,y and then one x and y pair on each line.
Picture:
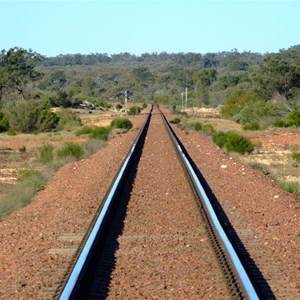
x,y
182,247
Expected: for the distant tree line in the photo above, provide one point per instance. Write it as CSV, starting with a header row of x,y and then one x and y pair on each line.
x,y
232,59
249,86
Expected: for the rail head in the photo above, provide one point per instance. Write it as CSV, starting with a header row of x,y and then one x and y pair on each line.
x,y
244,281
78,269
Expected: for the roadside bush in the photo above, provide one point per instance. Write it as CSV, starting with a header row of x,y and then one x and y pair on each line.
x,y
11,132
260,168
103,104
122,123
35,179
175,121
245,108
252,126
4,123
290,187
252,112
70,149
238,143
45,154
68,120
236,102
62,99
197,126
294,118
30,116
184,114
100,133
208,130
219,138
134,110
46,121
279,123
144,106
296,156
85,130
22,116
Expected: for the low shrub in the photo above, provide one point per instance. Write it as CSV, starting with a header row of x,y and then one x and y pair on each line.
x,y
30,116
122,123
46,121
70,149
45,154
103,104
197,126
175,121
134,110
85,130
296,156
144,106
184,114
252,126
208,130
238,143
68,120
219,138
34,179
260,168
279,123
294,118
4,123
290,187
100,133
11,132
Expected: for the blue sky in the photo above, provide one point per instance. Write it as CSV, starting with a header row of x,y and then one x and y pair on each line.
x,y
140,26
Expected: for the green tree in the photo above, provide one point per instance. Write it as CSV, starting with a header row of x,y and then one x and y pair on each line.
x,y
59,78
17,70
4,122
278,72
142,75
62,98
202,81
236,102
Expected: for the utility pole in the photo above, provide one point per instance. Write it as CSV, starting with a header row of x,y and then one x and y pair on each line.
x,y
186,97
126,99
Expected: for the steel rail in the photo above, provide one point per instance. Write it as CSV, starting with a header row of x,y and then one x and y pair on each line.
x,y
243,278
85,253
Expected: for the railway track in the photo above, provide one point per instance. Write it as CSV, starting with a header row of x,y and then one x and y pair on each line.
x,y
160,248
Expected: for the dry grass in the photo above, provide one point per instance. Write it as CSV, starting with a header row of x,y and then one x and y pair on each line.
x,y
20,152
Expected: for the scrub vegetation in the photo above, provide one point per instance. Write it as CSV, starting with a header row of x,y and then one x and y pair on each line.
x,y
42,96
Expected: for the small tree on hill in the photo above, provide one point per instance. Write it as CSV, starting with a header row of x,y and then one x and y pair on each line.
x,y
17,71
280,73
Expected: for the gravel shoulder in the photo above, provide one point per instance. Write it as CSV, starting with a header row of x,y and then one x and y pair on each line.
x,y
37,243
266,218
